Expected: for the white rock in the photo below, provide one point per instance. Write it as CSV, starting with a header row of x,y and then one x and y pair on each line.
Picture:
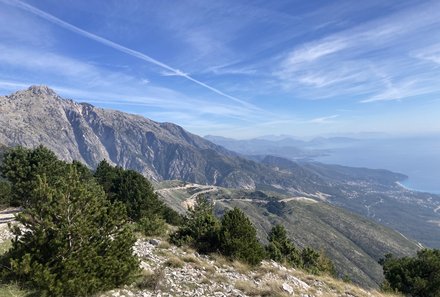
x,y
288,288
299,283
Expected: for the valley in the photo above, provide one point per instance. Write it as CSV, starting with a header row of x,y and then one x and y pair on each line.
x,y
328,207
354,243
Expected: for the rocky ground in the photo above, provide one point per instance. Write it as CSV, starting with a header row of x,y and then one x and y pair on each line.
x,y
171,271
6,215
167,271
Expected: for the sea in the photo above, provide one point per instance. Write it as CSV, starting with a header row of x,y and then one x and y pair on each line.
x,y
416,157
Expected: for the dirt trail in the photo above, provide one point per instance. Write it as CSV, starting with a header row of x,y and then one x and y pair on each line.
x,y
202,189
300,198
188,203
8,215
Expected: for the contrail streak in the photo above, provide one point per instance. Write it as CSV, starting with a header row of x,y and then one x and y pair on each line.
x,y
119,47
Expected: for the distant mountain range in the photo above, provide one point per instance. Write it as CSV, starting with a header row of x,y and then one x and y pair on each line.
x,y
165,151
281,145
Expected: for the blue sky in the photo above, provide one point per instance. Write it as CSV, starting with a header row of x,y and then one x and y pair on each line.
x,y
235,68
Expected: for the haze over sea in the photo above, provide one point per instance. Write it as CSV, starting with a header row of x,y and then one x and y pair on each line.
x,y
416,157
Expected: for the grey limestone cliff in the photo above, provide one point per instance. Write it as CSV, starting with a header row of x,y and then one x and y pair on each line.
x,y
89,134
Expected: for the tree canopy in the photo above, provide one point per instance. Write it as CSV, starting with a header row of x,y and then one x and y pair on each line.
x,y
238,238
416,276
283,250
134,191
21,167
200,228
75,242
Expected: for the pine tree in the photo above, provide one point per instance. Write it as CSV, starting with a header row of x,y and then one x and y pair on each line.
x,y
105,174
415,276
135,192
21,166
238,238
281,248
74,242
130,188
200,228
5,193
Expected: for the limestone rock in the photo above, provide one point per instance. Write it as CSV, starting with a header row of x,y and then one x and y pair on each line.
x,y
286,287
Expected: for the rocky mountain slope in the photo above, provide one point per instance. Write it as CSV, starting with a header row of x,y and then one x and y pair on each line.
x,y
83,132
160,151
167,270
354,244
164,151
373,194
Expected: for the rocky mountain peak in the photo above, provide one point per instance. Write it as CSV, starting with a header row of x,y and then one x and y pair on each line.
x,y
42,90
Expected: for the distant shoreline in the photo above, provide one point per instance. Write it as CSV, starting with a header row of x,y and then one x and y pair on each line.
x,y
399,183
405,187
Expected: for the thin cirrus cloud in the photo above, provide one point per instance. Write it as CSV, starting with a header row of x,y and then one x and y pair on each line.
x,y
121,48
312,52
155,97
55,64
96,82
431,54
344,63
303,65
324,120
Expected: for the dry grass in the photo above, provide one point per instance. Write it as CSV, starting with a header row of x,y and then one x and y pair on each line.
x,y
188,249
273,288
206,281
174,262
220,260
190,259
265,280
219,278
164,245
163,253
336,287
268,289
151,280
235,265
247,287
241,267
202,265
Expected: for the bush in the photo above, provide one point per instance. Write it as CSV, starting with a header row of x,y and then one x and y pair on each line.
x,y
135,192
151,280
174,262
75,242
130,188
199,229
21,167
416,276
152,226
5,193
282,250
238,238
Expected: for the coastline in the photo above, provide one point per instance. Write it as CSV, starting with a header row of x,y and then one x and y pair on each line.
x,y
400,184
405,187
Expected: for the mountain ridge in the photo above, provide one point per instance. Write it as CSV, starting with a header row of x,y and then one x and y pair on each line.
x,y
160,151
86,133
165,151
